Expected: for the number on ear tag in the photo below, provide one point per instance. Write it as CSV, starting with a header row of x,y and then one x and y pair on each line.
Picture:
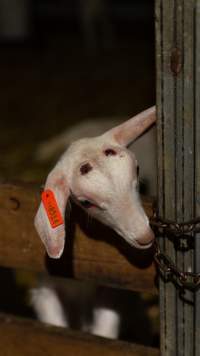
x,y
52,209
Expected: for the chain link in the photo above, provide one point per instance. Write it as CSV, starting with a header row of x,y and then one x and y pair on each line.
x,y
175,228
178,231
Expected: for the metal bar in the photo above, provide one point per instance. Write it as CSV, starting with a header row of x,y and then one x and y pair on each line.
x,y
177,165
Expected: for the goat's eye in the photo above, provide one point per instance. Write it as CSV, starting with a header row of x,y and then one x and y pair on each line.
x,y
86,203
110,152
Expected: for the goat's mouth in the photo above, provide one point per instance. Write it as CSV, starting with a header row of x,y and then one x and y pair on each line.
x,y
140,245
144,245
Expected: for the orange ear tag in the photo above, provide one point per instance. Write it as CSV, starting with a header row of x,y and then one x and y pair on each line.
x,y
52,209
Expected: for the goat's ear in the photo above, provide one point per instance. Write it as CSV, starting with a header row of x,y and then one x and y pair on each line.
x,y
131,129
50,217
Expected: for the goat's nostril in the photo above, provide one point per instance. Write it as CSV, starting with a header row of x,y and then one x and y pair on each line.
x,y
85,168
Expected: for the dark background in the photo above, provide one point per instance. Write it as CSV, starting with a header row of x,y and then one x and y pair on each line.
x,y
57,69
53,74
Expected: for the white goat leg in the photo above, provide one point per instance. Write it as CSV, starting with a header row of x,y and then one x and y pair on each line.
x,y
47,306
106,323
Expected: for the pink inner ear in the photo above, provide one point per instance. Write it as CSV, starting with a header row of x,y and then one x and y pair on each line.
x,y
53,236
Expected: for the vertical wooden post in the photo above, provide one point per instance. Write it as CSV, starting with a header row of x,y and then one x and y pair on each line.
x,y
178,105
197,166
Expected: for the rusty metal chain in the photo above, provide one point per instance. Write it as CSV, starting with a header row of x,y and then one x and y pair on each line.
x,y
174,228
178,232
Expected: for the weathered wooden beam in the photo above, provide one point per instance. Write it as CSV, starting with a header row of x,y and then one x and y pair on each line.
x,y
197,180
22,337
92,252
177,41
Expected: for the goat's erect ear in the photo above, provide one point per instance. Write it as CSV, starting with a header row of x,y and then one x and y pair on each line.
x,y
50,217
127,132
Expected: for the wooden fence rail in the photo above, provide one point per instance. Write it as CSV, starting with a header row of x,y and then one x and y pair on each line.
x,y
22,337
88,254
101,256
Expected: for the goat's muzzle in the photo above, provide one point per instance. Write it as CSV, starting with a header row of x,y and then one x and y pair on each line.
x,y
146,239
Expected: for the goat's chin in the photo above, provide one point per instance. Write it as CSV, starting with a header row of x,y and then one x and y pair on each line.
x,y
135,243
143,246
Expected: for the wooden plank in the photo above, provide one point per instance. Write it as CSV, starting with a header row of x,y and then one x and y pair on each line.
x,y
25,337
169,168
197,172
175,51
185,317
166,162
178,98
92,252
160,150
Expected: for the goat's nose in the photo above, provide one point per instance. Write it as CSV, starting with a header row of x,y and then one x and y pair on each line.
x,y
146,238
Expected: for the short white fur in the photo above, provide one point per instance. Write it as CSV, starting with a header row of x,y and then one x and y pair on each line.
x,y
109,184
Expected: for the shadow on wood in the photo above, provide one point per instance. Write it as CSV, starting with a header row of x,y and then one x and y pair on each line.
x,y
42,340
92,251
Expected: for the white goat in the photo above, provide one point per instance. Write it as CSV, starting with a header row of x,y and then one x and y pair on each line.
x,y
144,147
101,175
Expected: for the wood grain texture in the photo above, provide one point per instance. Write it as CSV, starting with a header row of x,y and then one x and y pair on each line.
x,y
25,337
176,33
166,164
92,251
197,171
